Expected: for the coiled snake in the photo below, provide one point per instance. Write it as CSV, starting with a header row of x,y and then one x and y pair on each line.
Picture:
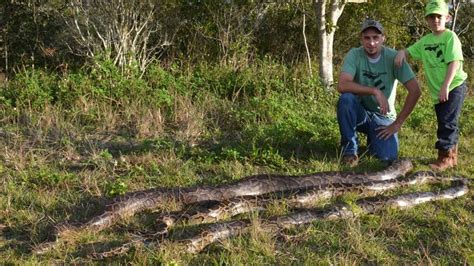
x,y
255,193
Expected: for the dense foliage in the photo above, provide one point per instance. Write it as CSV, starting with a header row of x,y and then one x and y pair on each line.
x,y
59,35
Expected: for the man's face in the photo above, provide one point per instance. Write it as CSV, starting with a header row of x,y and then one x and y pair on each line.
x,y
372,41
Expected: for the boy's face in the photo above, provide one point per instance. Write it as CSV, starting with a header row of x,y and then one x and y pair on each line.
x,y
436,22
372,41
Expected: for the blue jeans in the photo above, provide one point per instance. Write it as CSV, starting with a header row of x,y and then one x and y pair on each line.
x,y
352,118
447,114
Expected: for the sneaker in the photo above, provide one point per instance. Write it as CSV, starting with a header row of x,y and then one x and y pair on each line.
x,y
350,160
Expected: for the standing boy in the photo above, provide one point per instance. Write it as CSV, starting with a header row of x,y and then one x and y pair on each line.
x,y
441,55
367,84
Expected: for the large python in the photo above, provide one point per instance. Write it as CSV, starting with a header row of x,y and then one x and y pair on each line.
x,y
304,198
217,231
129,204
214,232
248,194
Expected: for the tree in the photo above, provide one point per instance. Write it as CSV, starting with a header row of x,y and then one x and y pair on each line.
x,y
328,12
127,32
29,31
461,24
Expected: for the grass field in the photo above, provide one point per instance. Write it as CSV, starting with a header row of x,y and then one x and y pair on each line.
x,y
70,143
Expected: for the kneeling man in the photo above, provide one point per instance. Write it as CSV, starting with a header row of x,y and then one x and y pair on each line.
x,y
367,84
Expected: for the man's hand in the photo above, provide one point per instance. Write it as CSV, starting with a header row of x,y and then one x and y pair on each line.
x,y
401,55
382,101
385,132
443,94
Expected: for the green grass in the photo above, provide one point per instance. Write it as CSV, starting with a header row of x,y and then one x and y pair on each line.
x,y
63,156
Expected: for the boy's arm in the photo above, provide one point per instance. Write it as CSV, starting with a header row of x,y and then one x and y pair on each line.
x,y
450,73
414,93
401,55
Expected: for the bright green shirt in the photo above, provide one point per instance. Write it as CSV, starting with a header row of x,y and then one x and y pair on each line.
x,y
436,52
382,75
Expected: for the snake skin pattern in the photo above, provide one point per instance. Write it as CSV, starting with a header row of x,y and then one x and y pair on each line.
x,y
211,204
129,204
213,232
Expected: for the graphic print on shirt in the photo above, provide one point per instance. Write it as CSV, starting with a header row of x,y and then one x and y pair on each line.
x,y
435,48
375,77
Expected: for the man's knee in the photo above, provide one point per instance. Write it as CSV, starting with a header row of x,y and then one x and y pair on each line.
x,y
347,98
386,150
346,101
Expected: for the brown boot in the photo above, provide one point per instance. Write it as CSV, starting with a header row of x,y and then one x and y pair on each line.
x,y
446,159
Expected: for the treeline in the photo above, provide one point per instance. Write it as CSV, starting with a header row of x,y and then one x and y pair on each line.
x,y
64,35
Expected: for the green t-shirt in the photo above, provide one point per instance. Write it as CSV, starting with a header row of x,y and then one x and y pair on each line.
x,y
382,74
436,52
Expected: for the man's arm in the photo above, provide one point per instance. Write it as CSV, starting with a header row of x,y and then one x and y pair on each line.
x,y
414,93
347,84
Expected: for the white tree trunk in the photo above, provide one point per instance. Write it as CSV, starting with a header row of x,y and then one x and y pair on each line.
x,y
327,28
306,45
455,5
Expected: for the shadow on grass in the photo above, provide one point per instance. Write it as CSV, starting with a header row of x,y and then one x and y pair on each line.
x,y
17,239
23,237
262,144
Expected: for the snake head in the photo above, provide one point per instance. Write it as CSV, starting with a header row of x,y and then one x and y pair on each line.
x,y
396,169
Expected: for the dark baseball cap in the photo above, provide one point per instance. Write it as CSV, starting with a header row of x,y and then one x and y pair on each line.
x,y
370,23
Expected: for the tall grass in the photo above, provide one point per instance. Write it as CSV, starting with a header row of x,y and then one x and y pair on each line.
x,y
69,142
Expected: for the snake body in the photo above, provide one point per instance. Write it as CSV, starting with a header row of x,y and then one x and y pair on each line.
x,y
129,204
214,203
218,231
211,212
